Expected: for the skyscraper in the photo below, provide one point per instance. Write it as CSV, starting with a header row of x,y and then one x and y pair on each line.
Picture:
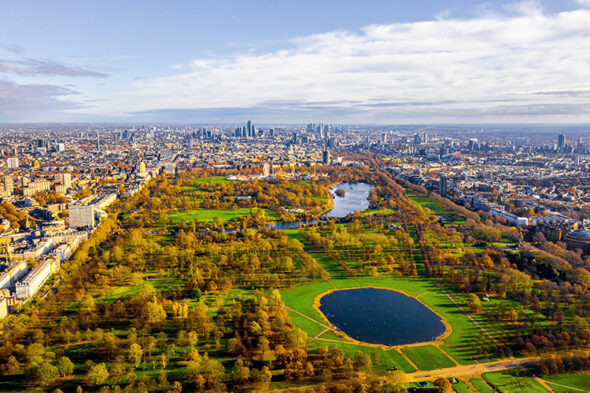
x,y
442,185
326,157
249,128
561,142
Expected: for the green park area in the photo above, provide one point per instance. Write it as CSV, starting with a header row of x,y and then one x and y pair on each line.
x,y
569,382
209,215
464,333
481,385
513,381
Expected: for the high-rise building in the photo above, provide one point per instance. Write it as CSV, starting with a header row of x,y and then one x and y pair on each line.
x,y
560,142
9,184
442,185
249,129
12,162
81,216
66,180
97,141
326,157
417,139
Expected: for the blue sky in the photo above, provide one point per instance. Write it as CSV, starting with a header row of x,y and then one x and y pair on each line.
x,y
221,61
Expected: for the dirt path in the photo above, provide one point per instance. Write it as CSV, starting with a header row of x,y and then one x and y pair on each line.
x,y
563,386
544,384
447,355
469,316
311,319
319,334
472,369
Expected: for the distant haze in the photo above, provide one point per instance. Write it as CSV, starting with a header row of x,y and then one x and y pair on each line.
x,y
383,63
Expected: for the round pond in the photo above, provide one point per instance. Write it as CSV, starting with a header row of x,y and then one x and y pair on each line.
x,y
381,316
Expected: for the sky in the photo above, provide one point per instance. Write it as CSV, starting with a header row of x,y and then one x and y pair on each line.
x,y
290,62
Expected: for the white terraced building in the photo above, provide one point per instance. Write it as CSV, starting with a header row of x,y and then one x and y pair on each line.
x,y
11,275
36,278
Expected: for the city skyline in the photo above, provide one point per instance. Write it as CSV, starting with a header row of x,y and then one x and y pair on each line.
x,y
427,63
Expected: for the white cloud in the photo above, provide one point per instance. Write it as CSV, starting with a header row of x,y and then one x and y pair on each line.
x,y
583,3
490,67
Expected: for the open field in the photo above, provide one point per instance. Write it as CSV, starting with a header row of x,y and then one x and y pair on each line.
x,y
513,381
428,357
210,179
580,380
481,385
461,387
208,215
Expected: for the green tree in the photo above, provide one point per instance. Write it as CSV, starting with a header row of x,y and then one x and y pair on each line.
x,y
135,354
97,374
46,374
64,366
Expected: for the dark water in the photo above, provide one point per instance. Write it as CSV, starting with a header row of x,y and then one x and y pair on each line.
x,y
381,316
354,199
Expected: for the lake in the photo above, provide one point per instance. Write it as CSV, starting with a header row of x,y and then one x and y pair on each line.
x,y
381,316
356,198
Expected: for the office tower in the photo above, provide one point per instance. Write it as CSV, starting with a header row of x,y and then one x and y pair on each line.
x,y
417,139
271,132
425,137
249,129
326,157
560,142
97,141
61,147
384,138
442,185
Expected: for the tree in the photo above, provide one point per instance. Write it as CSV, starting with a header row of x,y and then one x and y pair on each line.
x,y
65,366
444,385
396,377
97,374
474,304
47,374
135,354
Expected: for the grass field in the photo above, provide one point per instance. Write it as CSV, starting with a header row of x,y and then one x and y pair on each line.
x,y
580,380
208,215
461,387
481,385
210,179
513,381
428,357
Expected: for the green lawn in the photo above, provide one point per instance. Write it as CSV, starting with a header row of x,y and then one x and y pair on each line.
x,y
461,387
428,357
580,380
208,215
210,179
481,385
513,381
